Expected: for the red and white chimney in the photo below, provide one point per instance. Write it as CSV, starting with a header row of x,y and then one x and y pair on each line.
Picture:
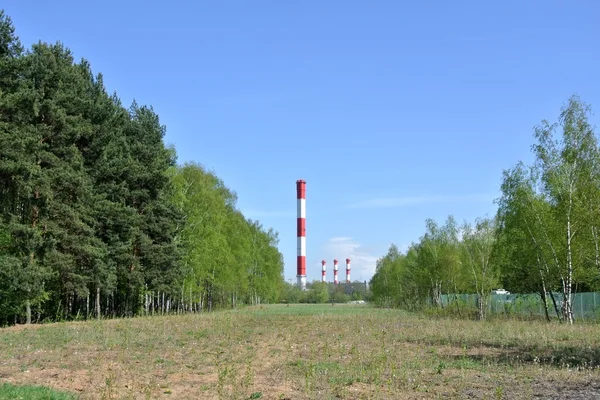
x,y
347,270
335,270
323,271
301,227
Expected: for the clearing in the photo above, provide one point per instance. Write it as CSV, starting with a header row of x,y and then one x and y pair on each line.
x,y
305,352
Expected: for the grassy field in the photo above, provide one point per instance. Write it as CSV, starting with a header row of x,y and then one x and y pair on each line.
x,y
305,352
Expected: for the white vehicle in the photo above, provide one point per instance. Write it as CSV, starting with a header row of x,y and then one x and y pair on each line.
x,y
500,291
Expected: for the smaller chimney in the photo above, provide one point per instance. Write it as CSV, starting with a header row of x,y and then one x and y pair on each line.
x,y
335,270
347,270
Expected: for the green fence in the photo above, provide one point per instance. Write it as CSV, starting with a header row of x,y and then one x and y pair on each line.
x,y
585,305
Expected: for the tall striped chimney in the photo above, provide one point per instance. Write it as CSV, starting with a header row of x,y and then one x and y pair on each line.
x,y
323,271
335,269
301,227
347,270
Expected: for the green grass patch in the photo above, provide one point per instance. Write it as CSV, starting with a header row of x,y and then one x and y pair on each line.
x,y
8,391
307,309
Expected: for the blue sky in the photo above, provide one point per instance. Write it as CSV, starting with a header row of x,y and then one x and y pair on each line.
x,y
393,112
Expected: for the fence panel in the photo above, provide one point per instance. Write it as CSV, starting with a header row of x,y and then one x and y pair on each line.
x,y
585,305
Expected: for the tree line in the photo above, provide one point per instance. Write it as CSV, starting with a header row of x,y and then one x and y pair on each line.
x,y
318,292
96,216
543,239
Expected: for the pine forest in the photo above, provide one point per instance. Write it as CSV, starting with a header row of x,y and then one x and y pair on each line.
x,y
97,219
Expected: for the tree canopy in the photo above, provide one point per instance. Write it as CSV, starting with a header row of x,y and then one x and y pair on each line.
x,y
96,216
543,239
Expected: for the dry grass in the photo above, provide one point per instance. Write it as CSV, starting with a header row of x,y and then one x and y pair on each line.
x,y
305,352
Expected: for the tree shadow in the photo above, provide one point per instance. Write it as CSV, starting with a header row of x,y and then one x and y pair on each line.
x,y
560,356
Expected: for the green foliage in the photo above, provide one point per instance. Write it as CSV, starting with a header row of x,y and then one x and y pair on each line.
x,y
317,292
419,277
339,296
290,293
386,282
226,258
553,206
96,218
477,247
544,238
10,46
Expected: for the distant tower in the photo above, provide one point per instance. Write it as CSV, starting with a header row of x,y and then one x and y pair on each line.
x,y
335,269
301,226
323,271
347,270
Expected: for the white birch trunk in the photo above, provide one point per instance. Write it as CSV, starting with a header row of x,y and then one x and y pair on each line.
x,y
98,311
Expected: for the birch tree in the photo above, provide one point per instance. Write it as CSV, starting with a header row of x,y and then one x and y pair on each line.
x,y
566,162
477,247
524,237
552,203
438,258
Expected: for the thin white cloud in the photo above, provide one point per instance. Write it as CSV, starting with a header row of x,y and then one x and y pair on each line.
x,y
362,262
387,202
340,239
